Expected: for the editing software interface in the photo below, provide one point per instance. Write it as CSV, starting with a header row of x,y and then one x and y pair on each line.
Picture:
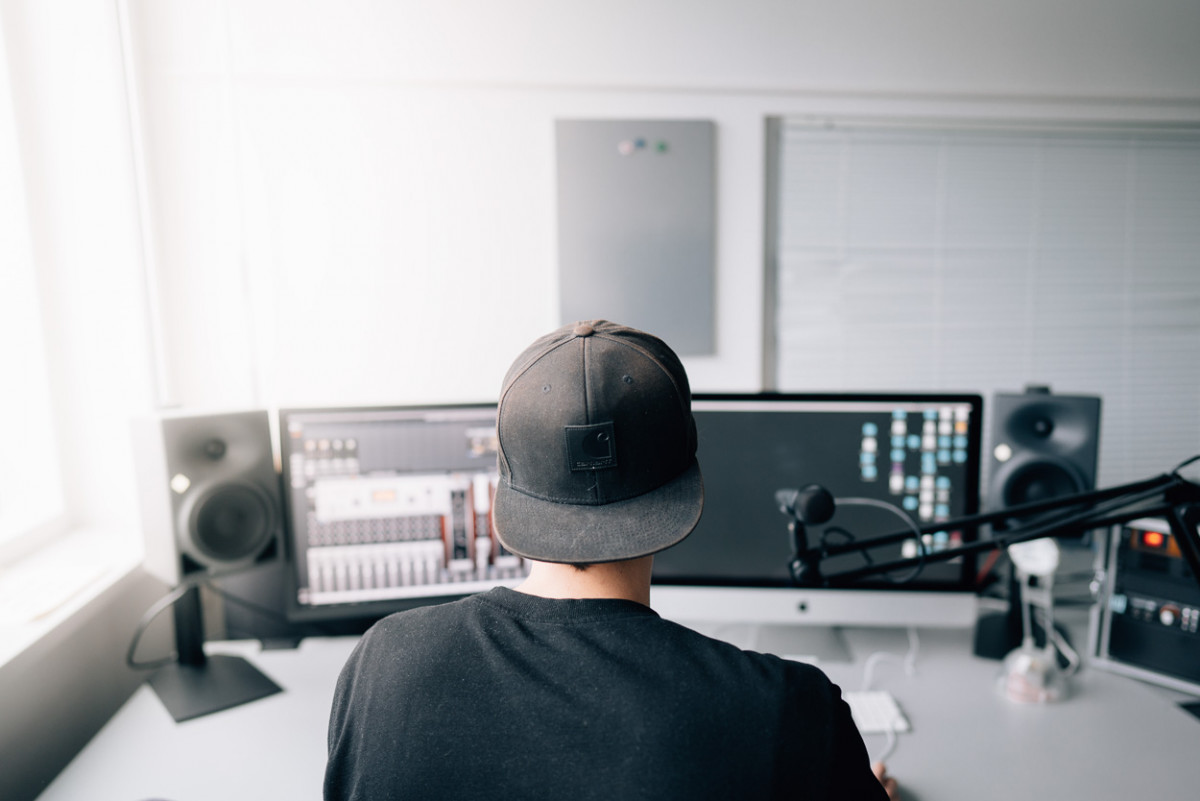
x,y
389,505
917,453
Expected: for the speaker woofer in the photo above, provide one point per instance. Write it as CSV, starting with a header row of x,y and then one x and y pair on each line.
x,y
1040,481
228,526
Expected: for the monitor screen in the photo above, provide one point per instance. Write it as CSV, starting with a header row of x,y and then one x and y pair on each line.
x,y
389,508
916,453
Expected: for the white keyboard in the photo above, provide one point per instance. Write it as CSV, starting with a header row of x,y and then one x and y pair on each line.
x,y
876,712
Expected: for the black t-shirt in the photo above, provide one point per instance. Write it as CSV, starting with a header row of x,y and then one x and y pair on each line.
x,y
505,695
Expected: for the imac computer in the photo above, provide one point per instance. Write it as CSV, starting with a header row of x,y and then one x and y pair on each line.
x,y
876,454
389,508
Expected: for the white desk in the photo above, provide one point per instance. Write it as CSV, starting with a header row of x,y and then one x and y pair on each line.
x,y
1115,738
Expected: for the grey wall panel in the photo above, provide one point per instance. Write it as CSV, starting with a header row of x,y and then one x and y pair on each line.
x,y
636,219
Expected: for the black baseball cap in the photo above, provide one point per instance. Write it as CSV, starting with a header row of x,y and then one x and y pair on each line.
x,y
597,447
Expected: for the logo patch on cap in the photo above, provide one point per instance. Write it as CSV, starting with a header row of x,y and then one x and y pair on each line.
x,y
591,447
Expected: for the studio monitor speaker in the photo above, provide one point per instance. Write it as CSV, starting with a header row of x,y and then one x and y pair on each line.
x,y
209,492
1044,446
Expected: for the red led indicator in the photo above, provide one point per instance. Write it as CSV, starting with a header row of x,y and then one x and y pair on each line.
x,y
1153,539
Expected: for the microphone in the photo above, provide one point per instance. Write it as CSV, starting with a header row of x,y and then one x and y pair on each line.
x,y
811,505
814,505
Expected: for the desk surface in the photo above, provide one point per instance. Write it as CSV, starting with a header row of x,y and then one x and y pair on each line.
x,y
1114,738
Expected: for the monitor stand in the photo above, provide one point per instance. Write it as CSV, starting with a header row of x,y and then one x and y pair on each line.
x,y
817,644
221,682
197,684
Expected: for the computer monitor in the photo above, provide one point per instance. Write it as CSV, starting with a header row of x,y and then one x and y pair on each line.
x,y
917,452
389,508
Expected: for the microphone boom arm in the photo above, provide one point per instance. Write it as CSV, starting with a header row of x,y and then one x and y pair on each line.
x,y
1177,499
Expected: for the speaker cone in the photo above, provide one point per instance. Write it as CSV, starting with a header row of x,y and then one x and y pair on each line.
x,y
1040,481
230,524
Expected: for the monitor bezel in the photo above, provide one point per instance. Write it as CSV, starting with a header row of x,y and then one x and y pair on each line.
x,y
297,612
306,613
967,582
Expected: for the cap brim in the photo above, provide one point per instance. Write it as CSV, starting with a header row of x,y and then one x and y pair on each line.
x,y
560,532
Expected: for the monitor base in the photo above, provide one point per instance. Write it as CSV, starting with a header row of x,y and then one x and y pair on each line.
x,y
221,682
799,642
815,644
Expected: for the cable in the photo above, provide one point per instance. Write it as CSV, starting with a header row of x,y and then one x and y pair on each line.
x,y
1060,642
271,614
912,525
307,630
168,600
1183,464
889,746
988,563
909,659
154,611
849,537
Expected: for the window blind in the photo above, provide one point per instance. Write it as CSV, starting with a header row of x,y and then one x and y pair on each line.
x,y
975,258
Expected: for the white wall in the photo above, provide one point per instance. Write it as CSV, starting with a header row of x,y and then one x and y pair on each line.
x,y
363,193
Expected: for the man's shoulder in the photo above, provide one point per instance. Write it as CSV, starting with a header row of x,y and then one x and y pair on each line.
x,y
754,663
428,616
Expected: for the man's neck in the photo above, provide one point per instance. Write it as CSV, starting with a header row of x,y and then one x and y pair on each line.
x,y
629,580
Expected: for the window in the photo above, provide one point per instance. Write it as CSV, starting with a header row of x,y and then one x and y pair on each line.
x,y
987,257
30,487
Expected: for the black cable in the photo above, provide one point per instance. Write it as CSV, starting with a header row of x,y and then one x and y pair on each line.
x,y
271,614
848,537
1183,464
912,524
246,604
165,602
170,599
